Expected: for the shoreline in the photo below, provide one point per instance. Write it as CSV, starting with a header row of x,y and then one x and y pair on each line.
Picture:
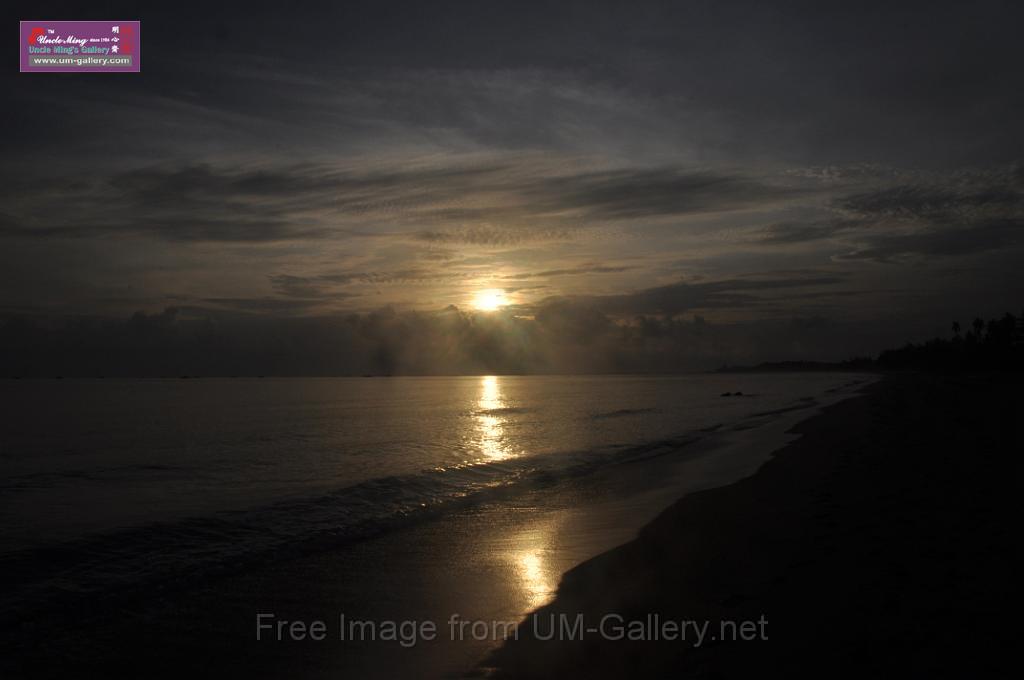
x,y
845,542
494,562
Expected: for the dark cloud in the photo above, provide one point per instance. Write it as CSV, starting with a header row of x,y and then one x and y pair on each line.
x,y
628,194
979,238
968,213
204,203
571,271
265,305
686,296
493,236
302,287
327,286
935,203
784,233
964,214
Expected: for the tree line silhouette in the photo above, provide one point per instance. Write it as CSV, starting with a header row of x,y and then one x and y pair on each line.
x,y
997,344
994,345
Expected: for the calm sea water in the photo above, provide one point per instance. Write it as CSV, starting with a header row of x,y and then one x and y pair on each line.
x,y
133,479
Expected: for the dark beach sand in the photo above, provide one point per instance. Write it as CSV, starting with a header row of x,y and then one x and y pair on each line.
x,y
880,544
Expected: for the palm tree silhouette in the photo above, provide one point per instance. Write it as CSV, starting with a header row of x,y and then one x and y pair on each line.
x,y
979,326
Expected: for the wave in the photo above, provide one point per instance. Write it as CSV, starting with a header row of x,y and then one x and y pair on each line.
x,y
504,411
619,413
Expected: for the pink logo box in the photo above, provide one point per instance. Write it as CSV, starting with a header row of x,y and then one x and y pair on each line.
x,y
81,46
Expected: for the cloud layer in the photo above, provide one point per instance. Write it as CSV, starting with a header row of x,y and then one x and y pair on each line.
x,y
610,167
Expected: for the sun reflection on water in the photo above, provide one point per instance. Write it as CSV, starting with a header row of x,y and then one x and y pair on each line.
x,y
490,421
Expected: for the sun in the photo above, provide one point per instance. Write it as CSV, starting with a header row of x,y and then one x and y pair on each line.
x,y
489,300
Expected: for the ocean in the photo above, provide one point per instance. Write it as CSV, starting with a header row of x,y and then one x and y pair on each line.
x,y
115,485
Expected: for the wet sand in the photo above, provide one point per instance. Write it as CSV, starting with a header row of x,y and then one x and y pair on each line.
x,y
882,543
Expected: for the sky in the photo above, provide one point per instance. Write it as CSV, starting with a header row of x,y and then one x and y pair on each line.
x,y
328,187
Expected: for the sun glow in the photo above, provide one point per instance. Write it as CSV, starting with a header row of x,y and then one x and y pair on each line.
x,y
489,300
